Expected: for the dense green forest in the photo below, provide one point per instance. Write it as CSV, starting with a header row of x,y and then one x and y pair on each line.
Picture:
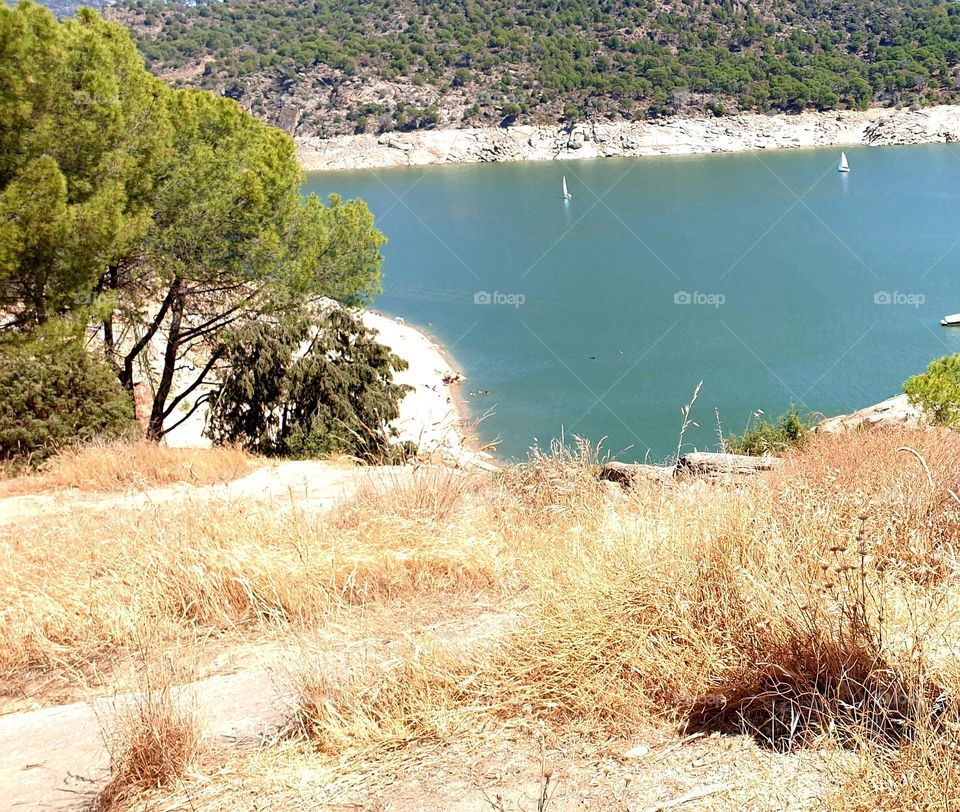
x,y
552,59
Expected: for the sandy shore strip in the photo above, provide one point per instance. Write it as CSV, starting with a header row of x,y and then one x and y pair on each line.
x,y
673,136
431,415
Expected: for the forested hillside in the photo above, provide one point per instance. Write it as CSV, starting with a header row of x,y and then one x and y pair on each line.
x,y
332,66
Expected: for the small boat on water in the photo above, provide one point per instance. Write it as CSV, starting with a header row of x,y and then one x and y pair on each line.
x,y
951,321
566,194
844,166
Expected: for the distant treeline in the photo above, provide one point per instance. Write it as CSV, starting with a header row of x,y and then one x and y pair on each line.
x,y
567,58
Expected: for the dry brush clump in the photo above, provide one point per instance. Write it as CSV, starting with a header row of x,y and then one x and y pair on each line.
x,y
634,623
922,773
420,495
555,486
422,694
153,740
553,499
735,609
417,531
895,487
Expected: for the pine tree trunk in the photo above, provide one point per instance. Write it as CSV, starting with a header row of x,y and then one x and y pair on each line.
x,y
155,428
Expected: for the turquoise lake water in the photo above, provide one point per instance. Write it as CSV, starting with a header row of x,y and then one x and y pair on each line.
x,y
770,277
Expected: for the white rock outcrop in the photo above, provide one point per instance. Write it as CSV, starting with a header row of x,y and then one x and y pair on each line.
x,y
605,139
895,412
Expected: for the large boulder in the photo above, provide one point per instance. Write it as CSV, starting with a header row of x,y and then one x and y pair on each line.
x,y
893,412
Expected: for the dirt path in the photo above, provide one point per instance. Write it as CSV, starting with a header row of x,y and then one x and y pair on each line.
x,y
309,485
56,758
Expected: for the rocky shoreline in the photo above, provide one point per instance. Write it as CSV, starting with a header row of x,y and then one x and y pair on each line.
x,y
677,136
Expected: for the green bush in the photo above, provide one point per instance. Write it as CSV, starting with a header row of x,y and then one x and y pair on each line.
x,y
53,393
296,391
937,391
764,437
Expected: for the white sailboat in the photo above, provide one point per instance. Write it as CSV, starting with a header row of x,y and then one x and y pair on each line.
x,y
844,166
566,194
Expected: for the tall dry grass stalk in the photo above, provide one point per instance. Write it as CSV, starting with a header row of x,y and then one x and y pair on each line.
x,y
139,464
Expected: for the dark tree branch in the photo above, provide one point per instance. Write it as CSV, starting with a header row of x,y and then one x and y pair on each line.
x,y
200,401
109,280
157,414
176,401
213,324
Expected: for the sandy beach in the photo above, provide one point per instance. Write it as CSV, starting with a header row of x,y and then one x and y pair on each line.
x,y
676,136
431,416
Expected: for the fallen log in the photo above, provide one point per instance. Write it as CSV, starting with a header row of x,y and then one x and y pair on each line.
x,y
709,464
695,464
626,474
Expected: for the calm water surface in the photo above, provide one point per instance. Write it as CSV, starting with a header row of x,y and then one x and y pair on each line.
x,y
772,278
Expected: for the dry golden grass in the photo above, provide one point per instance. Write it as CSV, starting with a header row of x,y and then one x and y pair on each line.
x,y
431,496
139,464
813,606
421,695
768,608
922,773
816,606
78,590
870,485
556,488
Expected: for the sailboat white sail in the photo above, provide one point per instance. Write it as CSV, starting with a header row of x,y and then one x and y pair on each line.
x,y
844,166
566,194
